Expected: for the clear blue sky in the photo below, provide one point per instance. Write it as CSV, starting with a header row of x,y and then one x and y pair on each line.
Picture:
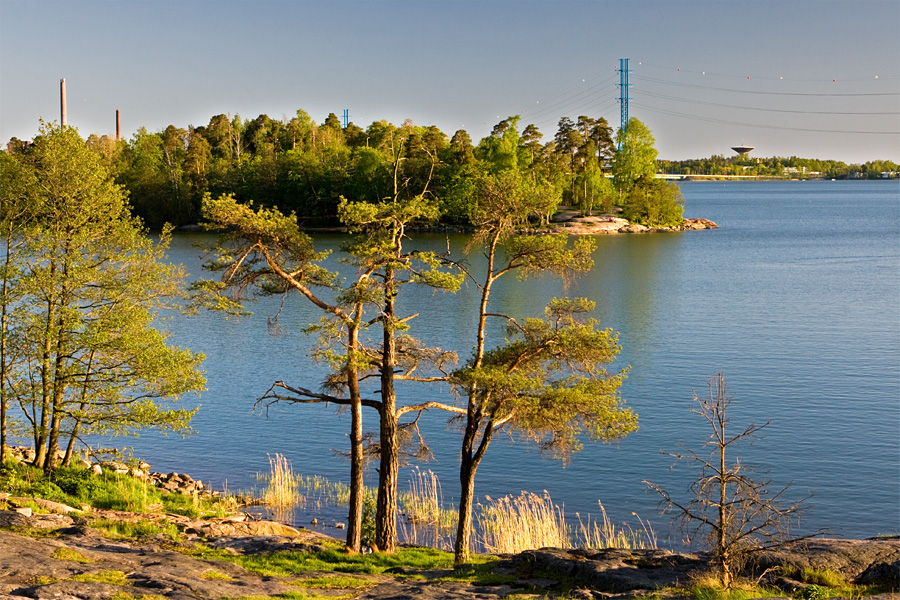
x,y
789,77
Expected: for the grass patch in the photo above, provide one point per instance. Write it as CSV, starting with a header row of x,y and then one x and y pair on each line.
x,y
136,529
212,574
823,577
182,504
294,596
110,577
714,591
75,486
335,493
71,555
290,563
127,596
825,583
333,582
428,521
332,559
480,573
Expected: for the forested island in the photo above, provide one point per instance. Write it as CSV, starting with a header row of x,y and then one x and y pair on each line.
x,y
304,167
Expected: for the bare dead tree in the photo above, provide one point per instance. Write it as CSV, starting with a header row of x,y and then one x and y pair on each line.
x,y
737,515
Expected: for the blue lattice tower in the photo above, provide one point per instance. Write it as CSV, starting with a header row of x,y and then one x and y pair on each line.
x,y
623,93
346,117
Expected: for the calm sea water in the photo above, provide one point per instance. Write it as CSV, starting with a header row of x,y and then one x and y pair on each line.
x,y
796,298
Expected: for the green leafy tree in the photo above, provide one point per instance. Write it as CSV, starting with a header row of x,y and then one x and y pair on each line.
x,y
378,249
15,215
531,142
654,203
502,150
595,188
90,360
636,156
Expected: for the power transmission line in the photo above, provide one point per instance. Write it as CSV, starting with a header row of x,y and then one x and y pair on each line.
x,y
759,126
779,110
761,92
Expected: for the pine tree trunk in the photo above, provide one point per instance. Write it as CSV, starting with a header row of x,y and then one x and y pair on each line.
x,y
466,499
386,509
357,491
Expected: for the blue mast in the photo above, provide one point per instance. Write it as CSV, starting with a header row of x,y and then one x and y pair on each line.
x,y
623,93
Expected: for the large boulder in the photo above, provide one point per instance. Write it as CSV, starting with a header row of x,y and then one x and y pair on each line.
x,y
633,228
611,570
849,558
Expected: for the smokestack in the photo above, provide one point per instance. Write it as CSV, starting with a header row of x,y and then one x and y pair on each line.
x,y
118,126
62,103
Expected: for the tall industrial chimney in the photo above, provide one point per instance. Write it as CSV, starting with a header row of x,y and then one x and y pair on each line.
x,y
118,126
62,102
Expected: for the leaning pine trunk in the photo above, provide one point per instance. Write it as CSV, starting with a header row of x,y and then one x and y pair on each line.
x,y
357,491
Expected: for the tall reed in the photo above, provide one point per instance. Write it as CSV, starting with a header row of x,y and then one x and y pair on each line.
x,y
427,521
528,521
282,491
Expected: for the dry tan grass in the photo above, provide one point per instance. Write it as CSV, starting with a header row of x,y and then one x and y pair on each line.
x,y
605,534
524,522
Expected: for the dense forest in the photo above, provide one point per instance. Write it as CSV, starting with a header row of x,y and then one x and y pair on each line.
x,y
305,167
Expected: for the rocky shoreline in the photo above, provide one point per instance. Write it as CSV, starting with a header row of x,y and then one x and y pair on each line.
x,y
573,223
60,552
70,560
568,221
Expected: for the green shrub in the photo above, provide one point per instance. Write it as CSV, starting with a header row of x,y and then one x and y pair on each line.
x,y
77,482
824,577
367,531
813,592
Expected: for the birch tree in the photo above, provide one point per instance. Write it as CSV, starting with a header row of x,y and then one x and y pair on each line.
x,y
90,288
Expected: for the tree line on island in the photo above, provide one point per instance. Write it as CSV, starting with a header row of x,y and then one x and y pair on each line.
x,y
82,284
304,167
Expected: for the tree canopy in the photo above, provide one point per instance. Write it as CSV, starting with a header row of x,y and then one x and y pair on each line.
x,y
84,287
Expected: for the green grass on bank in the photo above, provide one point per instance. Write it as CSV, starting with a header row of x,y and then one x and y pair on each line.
x,y
77,487
335,559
